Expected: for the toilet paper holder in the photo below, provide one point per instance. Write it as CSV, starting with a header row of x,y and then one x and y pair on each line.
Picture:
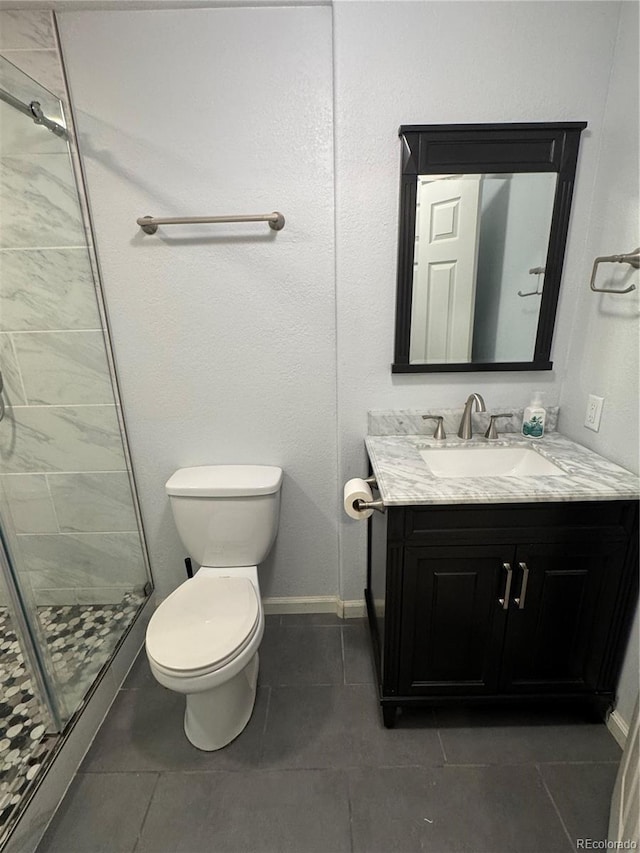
x,y
361,505
377,505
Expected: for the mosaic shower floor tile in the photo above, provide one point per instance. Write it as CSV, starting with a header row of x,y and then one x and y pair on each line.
x,y
80,639
23,723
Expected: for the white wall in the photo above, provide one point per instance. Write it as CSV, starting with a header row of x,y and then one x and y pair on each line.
x,y
603,355
443,62
603,352
225,336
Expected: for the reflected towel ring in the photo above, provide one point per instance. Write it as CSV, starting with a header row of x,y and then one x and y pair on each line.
x,y
534,271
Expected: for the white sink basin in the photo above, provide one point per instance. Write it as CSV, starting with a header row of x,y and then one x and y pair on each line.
x,y
488,462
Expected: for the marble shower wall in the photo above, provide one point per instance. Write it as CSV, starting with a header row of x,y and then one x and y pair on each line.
x,y
67,500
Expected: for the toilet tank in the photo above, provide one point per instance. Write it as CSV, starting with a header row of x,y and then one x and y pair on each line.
x,y
226,515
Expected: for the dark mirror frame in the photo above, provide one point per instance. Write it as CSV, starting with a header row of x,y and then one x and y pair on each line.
x,y
434,149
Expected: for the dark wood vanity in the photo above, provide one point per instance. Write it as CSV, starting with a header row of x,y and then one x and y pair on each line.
x,y
529,595
501,602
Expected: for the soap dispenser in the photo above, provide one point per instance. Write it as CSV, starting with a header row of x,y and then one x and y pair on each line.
x,y
534,417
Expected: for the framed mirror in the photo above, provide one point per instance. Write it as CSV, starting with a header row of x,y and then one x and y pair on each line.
x,y
484,215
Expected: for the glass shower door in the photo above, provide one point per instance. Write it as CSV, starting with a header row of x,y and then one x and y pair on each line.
x,y
68,512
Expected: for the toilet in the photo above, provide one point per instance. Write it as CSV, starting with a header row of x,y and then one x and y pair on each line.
x,y
203,639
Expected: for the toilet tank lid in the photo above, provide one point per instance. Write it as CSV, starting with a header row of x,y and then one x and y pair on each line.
x,y
225,481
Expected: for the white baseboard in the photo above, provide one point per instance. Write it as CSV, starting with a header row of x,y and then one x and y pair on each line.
x,y
618,728
293,604
354,609
315,604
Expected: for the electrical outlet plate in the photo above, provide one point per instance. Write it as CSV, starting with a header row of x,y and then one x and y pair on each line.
x,y
594,412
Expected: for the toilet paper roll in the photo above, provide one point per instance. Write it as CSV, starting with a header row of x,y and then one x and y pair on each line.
x,y
353,490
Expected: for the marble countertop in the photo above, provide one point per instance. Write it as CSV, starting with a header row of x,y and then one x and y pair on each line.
x,y
404,479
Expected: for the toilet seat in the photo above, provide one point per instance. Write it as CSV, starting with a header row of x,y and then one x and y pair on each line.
x,y
203,625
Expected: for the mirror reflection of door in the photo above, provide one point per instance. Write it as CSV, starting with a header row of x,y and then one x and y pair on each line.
x,y
445,262
480,251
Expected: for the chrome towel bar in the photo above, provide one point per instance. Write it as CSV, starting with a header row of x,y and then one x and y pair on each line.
x,y
632,258
149,224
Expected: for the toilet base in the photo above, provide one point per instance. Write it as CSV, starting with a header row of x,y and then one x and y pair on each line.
x,y
215,717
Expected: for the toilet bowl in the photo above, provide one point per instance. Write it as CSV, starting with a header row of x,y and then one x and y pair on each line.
x,y
203,639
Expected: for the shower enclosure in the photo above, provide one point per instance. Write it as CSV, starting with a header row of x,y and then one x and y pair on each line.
x,y
74,570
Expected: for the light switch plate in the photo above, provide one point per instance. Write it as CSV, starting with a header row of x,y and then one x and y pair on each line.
x,y
594,412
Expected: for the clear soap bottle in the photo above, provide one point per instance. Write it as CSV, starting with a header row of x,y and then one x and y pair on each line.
x,y
534,417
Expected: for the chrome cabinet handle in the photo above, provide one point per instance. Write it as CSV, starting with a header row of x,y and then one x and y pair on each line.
x,y
507,590
523,589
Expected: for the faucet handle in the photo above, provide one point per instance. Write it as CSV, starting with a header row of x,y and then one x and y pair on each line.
x,y
439,434
492,432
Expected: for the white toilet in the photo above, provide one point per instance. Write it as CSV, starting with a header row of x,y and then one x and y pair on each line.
x,y
203,639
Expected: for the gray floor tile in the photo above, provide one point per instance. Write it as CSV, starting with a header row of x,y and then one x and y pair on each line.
x,y
447,809
288,786
488,736
358,661
295,654
582,794
144,731
139,675
254,812
340,726
102,813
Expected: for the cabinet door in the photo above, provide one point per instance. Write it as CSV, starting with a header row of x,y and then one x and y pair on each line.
x,y
562,600
453,623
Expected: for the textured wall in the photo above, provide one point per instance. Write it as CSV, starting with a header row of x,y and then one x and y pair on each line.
x,y
224,336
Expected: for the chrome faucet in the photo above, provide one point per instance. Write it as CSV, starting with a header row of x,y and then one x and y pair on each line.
x,y
465,430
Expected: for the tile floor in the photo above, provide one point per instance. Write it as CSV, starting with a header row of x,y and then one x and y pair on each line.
x,y
316,772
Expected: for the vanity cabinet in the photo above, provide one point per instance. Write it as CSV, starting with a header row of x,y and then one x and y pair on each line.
x,y
501,602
